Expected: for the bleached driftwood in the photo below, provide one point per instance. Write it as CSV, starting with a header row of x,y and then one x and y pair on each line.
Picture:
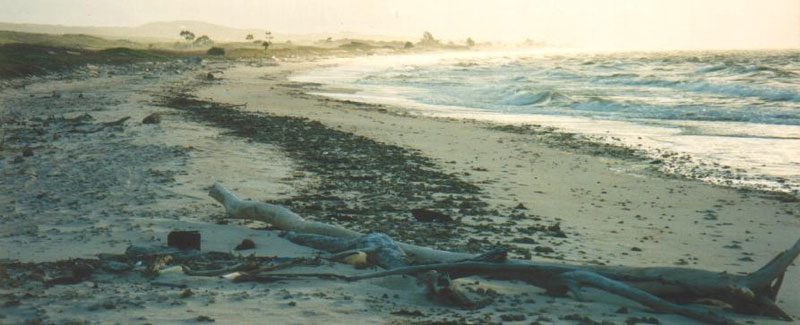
x,y
659,288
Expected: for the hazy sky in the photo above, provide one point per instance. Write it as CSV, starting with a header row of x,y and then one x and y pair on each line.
x,y
590,23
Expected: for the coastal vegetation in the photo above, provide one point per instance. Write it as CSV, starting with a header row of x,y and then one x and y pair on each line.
x,y
19,59
23,54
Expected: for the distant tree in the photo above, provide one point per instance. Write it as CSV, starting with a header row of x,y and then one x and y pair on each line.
x,y
203,41
408,45
268,41
187,35
249,37
428,40
470,42
329,39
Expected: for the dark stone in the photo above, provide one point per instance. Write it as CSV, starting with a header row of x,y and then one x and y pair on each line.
x,y
425,215
187,293
204,319
153,118
512,317
410,313
82,270
184,239
245,244
27,152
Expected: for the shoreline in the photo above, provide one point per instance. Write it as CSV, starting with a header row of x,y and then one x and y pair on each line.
x,y
371,112
664,142
516,189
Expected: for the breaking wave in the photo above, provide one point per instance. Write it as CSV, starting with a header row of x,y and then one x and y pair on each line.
x,y
758,87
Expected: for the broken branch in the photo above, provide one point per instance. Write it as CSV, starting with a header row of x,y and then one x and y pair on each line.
x,y
655,287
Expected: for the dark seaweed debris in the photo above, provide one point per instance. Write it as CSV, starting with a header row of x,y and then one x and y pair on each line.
x,y
362,184
554,138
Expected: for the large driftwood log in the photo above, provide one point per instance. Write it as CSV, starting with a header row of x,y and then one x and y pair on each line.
x,y
662,289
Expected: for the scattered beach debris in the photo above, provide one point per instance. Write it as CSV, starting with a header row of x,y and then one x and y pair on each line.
x,y
435,268
172,262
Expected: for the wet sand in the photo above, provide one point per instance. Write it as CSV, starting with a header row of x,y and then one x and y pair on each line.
x,y
536,192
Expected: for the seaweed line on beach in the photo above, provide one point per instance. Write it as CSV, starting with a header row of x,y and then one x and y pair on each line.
x,y
362,184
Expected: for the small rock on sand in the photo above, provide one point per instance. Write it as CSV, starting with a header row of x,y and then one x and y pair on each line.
x,y
245,244
153,118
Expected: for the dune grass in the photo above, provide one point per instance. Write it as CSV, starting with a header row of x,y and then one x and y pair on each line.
x,y
79,41
20,59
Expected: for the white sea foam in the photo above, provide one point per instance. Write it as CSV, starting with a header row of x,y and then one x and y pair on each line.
x,y
738,108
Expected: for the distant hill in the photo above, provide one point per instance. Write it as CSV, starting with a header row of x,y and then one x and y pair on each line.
x,y
168,32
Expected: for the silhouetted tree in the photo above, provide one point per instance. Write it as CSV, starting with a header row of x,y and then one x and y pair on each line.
x,y
203,41
249,37
408,45
470,42
428,40
268,41
187,35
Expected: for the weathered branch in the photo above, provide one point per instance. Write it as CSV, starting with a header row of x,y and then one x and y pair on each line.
x,y
282,218
655,287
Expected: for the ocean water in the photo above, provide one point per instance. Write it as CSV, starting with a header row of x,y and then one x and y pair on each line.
x,y
738,111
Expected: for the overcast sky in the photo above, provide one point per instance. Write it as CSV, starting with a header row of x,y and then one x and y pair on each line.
x,y
667,24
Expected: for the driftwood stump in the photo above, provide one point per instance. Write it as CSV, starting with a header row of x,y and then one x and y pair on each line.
x,y
662,289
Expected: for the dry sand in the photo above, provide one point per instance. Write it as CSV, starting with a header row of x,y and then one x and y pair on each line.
x,y
80,194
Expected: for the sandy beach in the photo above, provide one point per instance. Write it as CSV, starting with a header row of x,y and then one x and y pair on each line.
x,y
74,186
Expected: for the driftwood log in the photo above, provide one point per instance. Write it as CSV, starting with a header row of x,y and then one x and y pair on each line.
x,y
663,289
